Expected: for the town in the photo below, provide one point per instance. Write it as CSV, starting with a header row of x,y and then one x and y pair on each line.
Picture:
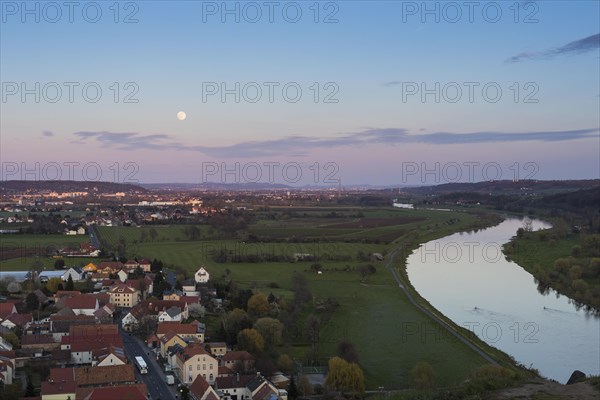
x,y
123,291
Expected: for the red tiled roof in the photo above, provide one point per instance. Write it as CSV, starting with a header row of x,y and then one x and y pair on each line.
x,y
63,293
62,374
237,356
123,392
7,309
81,302
20,319
199,386
121,288
110,265
176,327
108,375
28,340
50,388
190,299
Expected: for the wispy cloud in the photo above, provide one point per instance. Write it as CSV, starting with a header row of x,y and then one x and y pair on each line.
x,y
576,47
301,145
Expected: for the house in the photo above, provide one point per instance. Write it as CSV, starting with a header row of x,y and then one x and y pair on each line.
x,y
189,287
83,304
39,342
191,332
130,265
7,367
129,392
217,349
109,267
169,340
151,308
7,309
108,356
17,320
123,295
169,315
201,390
145,285
89,380
246,387
84,340
172,294
202,275
58,390
194,361
60,325
238,361
81,230
145,265
75,273
91,268
122,275
41,296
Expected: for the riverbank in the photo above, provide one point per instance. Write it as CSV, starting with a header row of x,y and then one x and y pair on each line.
x,y
489,353
472,283
562,261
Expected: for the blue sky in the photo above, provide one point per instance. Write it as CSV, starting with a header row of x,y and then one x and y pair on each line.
x,y
374,62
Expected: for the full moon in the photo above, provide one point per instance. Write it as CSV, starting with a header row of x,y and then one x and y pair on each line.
x,y
181,115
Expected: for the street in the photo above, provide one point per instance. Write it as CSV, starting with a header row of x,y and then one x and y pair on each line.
x,y
155,378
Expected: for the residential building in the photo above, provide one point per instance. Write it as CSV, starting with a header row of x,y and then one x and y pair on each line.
x,y
123,295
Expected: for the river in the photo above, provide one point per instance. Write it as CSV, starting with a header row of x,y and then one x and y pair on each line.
x,y
467,278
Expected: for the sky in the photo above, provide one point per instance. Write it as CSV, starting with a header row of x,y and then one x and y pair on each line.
x,y
305,92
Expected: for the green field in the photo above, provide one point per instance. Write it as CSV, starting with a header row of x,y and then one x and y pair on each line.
x,y
390,334
21,252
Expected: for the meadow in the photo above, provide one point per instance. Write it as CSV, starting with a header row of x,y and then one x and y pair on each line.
x,y
390,334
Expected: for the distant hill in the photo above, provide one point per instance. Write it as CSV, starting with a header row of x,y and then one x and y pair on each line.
x,y
506,187
8,187
213,186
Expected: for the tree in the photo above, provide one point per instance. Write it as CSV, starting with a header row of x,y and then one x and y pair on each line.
x,y
285,363
292,389
53,284
422,376
234,322
11,338
270,329
345,377
153,234
196,310
300,287
304,386
14,287
30,391
70,285
59,263
313,326
251,340
32,301
258,305
347,351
